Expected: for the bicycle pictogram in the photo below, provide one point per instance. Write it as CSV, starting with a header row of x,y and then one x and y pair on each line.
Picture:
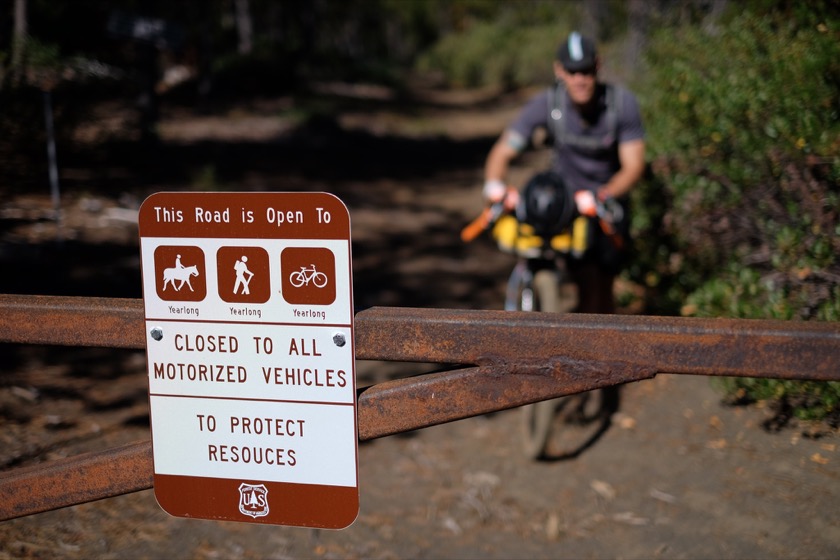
x,y
304,276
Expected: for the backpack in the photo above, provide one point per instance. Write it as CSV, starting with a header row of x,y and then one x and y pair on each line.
x,y
557,101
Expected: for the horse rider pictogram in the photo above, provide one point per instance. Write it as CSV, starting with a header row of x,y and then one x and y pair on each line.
x,y
179,273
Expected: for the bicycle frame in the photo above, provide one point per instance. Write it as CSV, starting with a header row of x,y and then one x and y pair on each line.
x,y
305,275
308,273
521,293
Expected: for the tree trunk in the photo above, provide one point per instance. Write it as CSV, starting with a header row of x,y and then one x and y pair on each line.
x,y
18,41
593,16
637,22
244,26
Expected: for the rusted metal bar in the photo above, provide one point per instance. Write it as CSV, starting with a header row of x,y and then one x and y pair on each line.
x,y
72,321
727,347
387,408
528,357
76,480
517,358
733,347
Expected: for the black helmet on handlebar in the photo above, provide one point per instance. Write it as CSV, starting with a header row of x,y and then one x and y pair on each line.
x,y
546,204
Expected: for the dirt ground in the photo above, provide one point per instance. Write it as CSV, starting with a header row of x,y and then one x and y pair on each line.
x,y
677,474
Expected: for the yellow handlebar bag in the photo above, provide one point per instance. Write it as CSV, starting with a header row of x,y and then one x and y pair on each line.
x,y
519,238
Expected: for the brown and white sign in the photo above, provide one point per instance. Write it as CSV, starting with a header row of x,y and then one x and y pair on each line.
x,y
249,337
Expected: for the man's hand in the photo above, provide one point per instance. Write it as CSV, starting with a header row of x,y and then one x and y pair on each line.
x,y
586,204
495,191
594,204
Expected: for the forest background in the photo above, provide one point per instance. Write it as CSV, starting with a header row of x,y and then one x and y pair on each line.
x,y
738,213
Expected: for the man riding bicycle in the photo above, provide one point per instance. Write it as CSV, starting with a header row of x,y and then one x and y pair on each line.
x,y
598,148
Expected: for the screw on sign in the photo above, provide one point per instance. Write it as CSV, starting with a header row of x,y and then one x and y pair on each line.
x,y
249,315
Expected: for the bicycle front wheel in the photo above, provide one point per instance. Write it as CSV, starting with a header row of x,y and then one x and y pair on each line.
x,y
297,279
537,419
530,290
320,279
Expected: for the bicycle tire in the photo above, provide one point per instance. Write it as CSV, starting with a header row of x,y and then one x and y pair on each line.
x,y
297,279
537,421
583,419
537,418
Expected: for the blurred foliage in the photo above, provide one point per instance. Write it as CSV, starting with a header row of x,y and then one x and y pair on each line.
x,y
810,401
741,219
512,49
491,54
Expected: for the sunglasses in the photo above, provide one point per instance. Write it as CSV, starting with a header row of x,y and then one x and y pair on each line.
x,y
589,71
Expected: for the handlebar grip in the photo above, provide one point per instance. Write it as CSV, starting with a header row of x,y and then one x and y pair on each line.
x,y
474,228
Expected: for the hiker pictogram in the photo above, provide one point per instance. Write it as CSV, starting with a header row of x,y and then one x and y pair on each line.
x,y
243,274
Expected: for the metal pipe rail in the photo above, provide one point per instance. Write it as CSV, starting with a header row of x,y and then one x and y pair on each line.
x,y
499,360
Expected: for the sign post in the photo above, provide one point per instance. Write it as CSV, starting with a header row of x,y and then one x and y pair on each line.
x,y
249,337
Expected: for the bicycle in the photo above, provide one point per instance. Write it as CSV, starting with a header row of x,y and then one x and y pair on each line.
x,y
305,275
536,284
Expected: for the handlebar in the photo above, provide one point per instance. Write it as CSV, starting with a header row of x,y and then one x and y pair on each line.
x,y
609,212
488,217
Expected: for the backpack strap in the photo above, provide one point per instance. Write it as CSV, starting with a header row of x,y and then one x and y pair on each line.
x,y
558,102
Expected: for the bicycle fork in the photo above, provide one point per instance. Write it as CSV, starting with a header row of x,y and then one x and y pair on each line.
x,y
520,288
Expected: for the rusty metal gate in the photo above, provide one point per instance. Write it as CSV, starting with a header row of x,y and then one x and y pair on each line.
x,y
495,360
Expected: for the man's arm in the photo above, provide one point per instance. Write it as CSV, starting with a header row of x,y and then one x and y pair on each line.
x,y
513,141
631,155
499,158
498,161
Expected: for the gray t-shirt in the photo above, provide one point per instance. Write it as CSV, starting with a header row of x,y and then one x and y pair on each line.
x,y
587,163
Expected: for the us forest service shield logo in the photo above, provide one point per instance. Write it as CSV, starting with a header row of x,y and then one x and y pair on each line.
x,y
253,500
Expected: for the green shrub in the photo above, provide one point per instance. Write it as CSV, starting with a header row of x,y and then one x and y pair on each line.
x,y
509,48
743,124
809,401
493,54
